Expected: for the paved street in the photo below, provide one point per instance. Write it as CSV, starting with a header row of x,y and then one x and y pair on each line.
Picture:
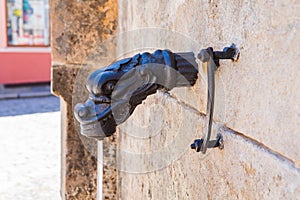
x,y
30,148
12,107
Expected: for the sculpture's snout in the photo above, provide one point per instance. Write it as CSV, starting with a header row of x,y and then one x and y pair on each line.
x,y
96,120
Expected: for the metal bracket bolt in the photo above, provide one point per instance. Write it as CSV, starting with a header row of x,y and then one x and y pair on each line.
x,y
197,145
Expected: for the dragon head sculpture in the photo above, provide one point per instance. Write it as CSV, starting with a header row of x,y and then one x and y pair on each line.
x,y
115,91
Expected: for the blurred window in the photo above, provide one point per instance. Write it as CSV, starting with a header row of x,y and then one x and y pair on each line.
x,y
28,22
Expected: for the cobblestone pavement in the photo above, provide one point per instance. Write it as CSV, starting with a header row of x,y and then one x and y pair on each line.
x,y
30,149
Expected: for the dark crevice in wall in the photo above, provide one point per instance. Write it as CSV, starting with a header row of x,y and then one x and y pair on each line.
x,y
246,138
183,104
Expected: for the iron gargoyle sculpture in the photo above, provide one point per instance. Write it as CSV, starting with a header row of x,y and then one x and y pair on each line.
x,y
115,91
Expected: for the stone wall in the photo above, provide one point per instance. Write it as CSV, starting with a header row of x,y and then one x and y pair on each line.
x,y
77,29
257,103
256,110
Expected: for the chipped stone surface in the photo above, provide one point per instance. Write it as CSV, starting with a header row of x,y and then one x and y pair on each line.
x,y
79,154
79,163
109,181
79,26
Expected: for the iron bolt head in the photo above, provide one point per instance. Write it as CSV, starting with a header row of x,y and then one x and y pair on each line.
x,y
204,55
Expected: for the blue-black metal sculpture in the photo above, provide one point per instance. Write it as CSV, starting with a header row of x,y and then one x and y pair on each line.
x,y
115,91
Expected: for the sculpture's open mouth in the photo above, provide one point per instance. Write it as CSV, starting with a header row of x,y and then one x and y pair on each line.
x,y
96,120
99,120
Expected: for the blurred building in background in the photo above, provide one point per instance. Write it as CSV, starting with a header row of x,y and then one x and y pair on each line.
x,y
24,41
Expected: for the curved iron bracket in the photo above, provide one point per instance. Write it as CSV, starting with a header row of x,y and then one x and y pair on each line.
x,y
212,58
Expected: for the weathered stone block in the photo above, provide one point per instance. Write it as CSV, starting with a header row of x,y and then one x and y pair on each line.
x,y
156,167
77,30
78,27
257,96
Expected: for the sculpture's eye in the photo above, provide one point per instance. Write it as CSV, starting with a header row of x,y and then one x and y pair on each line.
x,y
109,87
